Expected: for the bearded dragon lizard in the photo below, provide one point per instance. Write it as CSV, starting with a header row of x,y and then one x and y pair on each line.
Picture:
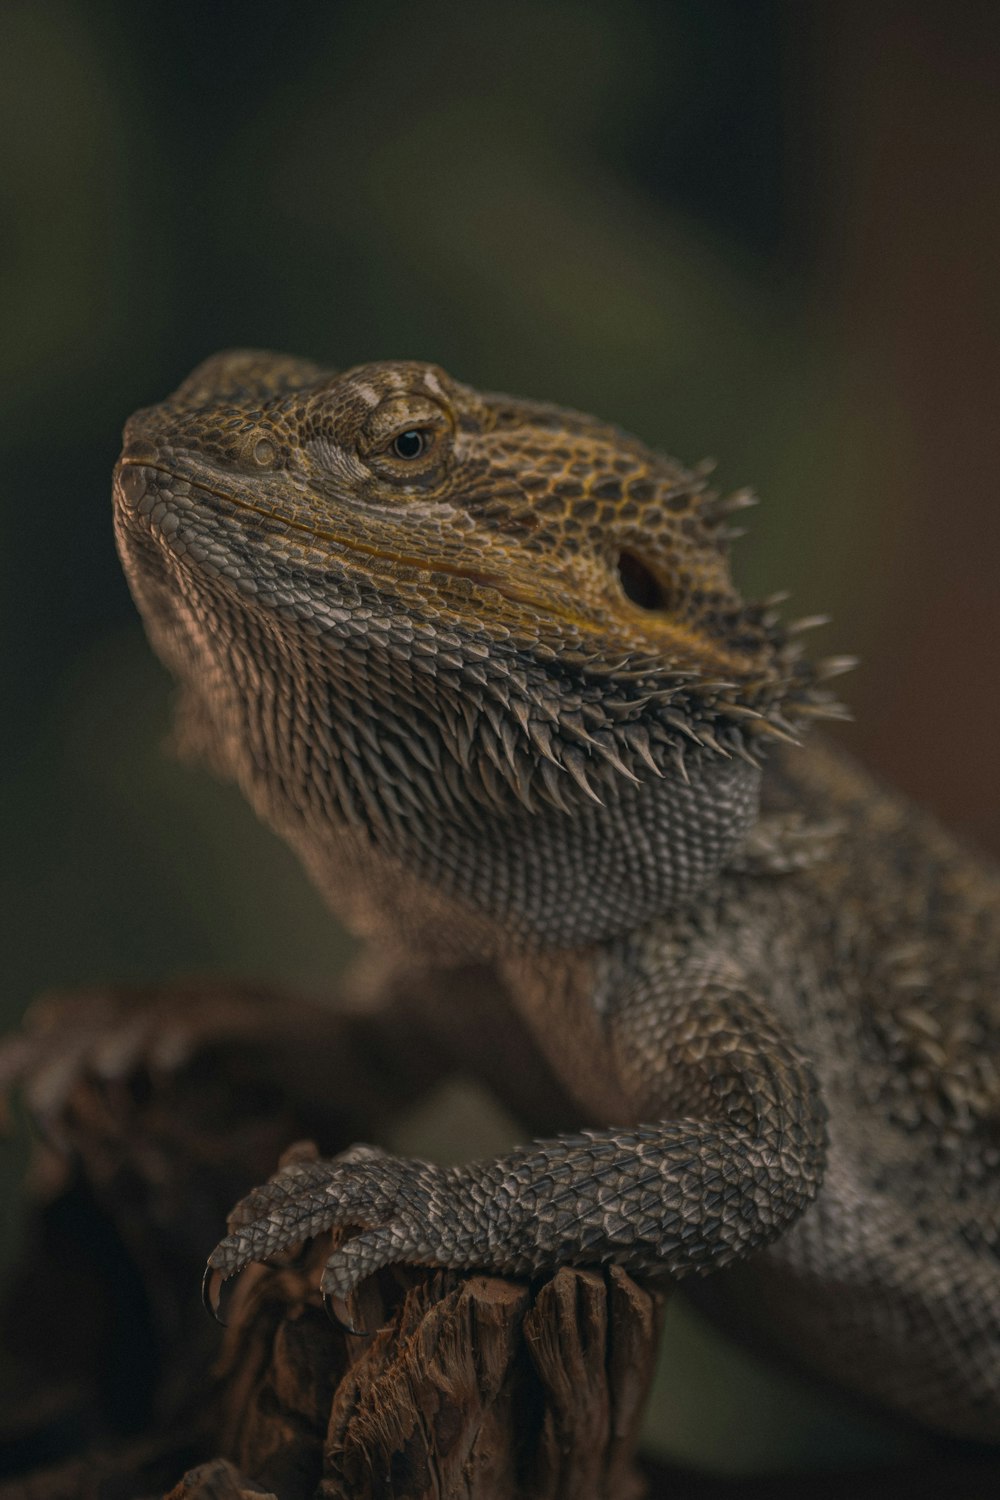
x,y
480,661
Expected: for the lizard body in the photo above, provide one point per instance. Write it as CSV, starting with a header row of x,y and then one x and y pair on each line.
x,y
481,662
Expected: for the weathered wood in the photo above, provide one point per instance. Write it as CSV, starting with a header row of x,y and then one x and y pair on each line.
x,y
464,1385
218,1480
468,1386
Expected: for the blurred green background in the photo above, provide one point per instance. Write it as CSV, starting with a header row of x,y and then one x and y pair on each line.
x,y
762,231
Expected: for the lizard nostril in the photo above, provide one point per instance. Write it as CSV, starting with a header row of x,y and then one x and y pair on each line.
x,y
133,482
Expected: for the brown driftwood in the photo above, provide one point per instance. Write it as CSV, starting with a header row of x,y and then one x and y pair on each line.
x,y
467,1386
464,1385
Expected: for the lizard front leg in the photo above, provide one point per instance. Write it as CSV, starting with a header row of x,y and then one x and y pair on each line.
x,y
723,1146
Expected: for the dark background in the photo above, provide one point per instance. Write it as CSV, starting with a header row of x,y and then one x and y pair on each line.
x,y
768,232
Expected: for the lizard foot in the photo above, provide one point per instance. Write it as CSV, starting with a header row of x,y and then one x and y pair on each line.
x,y
404,1212
675,1196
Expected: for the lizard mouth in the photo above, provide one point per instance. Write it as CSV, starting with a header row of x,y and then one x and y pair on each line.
x,y
136,479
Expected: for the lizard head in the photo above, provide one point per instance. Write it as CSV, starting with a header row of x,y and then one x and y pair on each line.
x,y
492,601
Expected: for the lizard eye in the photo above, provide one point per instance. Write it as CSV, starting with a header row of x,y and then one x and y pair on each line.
x,y
639,582
412,443
405,441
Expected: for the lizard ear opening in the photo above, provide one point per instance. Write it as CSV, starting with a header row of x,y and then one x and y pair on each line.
x,y
639,582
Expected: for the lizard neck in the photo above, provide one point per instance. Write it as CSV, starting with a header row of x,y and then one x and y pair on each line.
x,y
350,755
405,783
496,885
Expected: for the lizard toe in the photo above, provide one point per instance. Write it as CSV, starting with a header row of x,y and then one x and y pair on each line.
x,y
308,1196
362,1255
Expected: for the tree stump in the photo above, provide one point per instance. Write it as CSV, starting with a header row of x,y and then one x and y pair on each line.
x,y
467,1386
462,1385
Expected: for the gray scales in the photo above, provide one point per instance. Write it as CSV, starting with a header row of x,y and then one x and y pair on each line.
x,y
480,661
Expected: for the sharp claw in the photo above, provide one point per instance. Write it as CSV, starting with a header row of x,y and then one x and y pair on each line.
x,y
331,1302
212,1284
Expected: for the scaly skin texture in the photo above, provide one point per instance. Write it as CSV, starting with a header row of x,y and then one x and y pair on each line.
x,y
480,661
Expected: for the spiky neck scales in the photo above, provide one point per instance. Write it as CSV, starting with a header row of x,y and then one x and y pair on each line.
x,y
483,650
